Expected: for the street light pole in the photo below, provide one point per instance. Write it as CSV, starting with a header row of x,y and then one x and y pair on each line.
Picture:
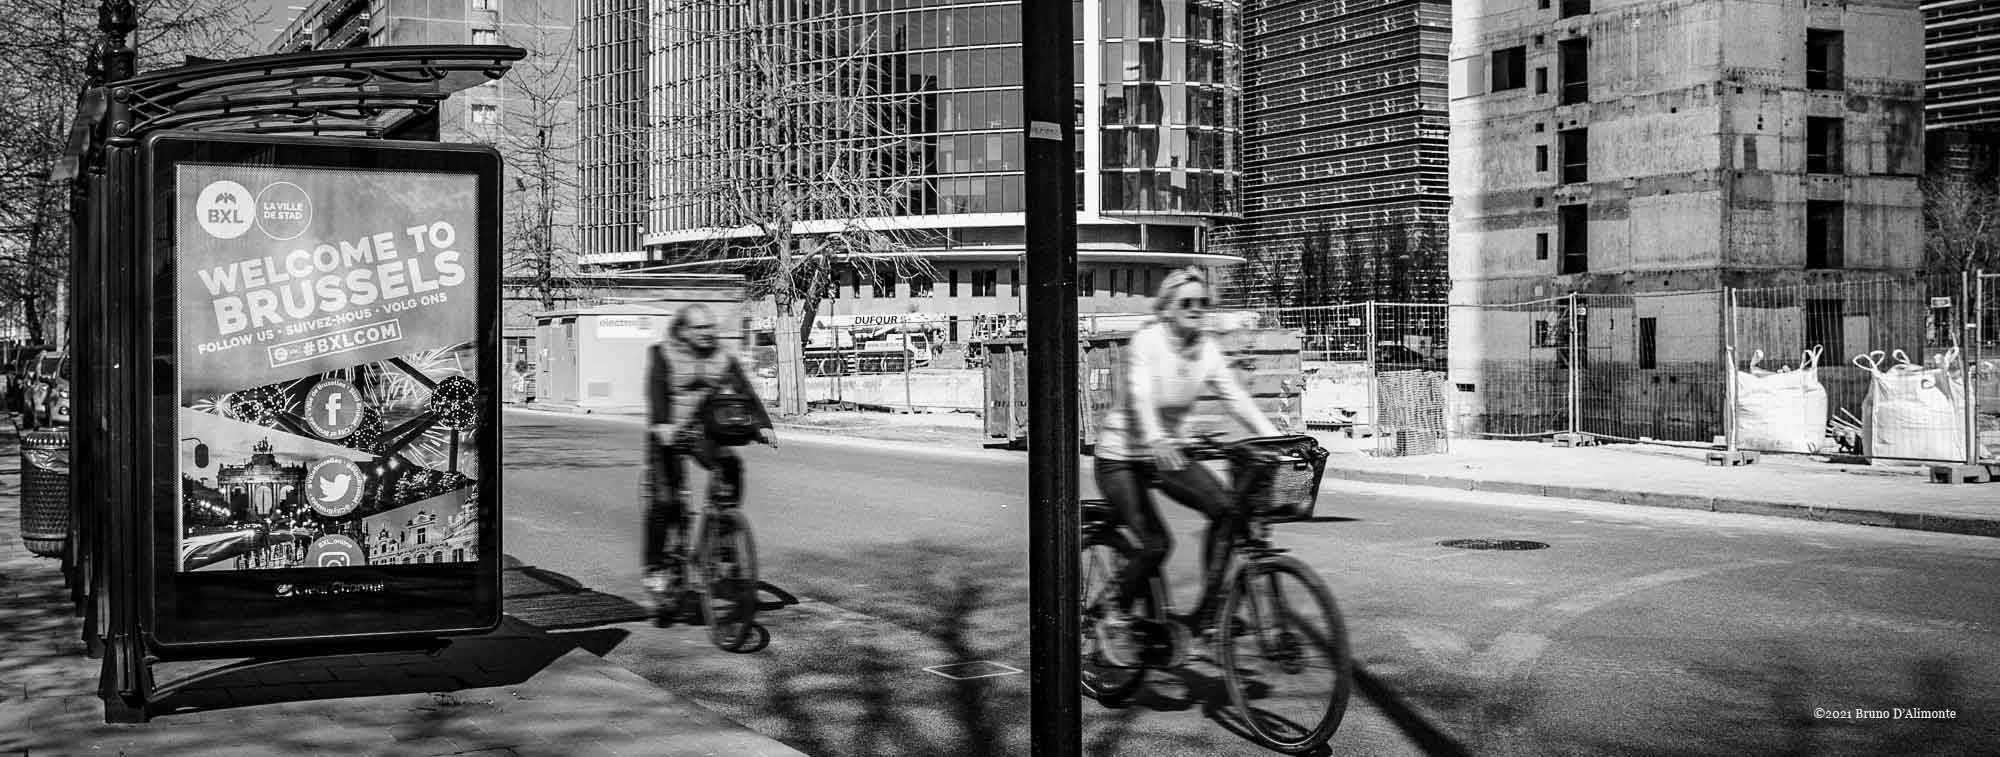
x,y
1053,526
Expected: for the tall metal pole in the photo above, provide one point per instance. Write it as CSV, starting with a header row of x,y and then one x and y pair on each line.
x,y
1729,365
1053,446
1368,356
1575,343
125,682
1970,315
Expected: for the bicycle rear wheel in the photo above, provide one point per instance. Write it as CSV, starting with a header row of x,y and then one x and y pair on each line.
x,y
729,566
1103,561
1287,670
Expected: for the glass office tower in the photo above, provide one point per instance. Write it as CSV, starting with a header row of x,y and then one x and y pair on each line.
x,y
924,99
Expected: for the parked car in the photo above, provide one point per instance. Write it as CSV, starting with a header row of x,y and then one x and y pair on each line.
x,y
47,390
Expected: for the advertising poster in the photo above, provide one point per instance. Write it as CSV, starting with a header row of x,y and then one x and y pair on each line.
x,y
328,362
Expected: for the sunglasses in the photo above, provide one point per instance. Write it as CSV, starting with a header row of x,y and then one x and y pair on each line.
x,y
1192,303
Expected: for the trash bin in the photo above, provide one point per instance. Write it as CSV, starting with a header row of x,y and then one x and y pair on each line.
x,y
45,491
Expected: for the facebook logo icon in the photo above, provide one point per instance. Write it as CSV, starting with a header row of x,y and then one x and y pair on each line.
x,y
333,409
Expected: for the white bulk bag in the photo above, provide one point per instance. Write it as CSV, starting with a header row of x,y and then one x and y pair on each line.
x,y
1913,411
1783,410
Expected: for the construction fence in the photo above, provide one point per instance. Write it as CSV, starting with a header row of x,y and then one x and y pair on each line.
x,y
1888,368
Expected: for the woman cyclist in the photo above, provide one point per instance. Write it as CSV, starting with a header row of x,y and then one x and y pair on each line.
x,y
1169,363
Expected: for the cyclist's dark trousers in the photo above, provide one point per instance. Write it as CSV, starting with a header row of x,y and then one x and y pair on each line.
x,y
665,490
1126,482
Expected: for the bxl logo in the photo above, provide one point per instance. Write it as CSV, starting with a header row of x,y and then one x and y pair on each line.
x,y
223,209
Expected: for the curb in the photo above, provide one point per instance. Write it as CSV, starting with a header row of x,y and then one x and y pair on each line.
x,y
1947,524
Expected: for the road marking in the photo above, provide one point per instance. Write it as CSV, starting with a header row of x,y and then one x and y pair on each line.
x,y
1504,665
966,671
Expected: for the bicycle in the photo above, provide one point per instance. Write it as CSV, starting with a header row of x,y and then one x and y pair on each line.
x,y
1272,636
724,564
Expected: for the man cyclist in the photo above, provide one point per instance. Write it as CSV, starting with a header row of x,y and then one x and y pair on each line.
x,y
1168,364
682,373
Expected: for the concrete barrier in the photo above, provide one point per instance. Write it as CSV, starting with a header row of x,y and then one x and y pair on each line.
x,y
1335,393
941,388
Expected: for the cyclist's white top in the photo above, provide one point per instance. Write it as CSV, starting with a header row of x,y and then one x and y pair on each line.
x,y
1162,381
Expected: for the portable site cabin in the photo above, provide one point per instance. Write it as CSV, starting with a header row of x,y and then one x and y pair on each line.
x,y
594,359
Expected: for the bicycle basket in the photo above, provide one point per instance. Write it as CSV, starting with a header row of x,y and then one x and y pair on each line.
x,y
1278,479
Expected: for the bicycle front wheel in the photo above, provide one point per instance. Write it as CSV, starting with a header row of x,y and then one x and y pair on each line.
x,y
729,566
1103,562
1286,668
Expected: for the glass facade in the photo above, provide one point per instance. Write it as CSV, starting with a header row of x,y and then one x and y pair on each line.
x,y
924,99
611,169
1169,101
1344,150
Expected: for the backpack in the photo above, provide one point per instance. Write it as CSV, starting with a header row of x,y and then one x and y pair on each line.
x,y
727,415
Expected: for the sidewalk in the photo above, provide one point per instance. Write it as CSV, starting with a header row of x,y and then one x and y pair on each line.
x,y
522,690
1791,486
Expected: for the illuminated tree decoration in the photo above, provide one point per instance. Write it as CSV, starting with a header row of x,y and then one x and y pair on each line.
x,y
452,402
259,405
368,436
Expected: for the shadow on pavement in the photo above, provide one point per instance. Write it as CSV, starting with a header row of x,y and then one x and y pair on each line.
x,y
1426,735
537,601
509,655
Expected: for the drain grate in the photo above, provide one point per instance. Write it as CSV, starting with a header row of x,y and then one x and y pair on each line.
x,y
1502,544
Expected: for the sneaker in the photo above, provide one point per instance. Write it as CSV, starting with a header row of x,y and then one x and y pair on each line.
x,y
657,582
1115,640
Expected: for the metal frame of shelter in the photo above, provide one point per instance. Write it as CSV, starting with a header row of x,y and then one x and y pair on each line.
x,y
390,93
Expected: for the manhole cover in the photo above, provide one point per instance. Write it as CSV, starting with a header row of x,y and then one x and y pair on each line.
x,y
1514,544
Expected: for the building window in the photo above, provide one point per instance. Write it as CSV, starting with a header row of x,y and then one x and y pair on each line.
x,y
1573,63
1824,49
952,276
485,113
1542,245
1014,279
482,5
884,282
1541,80
1825,227
985,282
1823,325
485,37
1541,157
423,536
1574,8
922,285
1649,343
856,283
1510,68
1575,145
1086,284
1823,143
1573,224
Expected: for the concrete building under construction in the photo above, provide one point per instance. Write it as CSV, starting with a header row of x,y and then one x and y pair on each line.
x,y
1645,155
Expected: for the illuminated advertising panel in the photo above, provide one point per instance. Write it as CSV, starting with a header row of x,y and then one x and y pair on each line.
x,y
329,444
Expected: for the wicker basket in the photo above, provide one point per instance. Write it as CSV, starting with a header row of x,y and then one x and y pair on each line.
x,y
1278,479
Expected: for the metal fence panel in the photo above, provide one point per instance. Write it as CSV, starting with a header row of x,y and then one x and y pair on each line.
x,y
1651,367
1881,343
1520,357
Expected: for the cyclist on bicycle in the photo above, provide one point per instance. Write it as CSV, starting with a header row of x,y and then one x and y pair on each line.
x,y
1168,364
683,372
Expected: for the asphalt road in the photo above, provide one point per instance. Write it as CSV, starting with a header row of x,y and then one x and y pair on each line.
x,y
1637,630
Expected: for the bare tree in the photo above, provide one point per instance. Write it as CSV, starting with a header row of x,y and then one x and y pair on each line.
x,y
46,47
785,138
531,118
1960,231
